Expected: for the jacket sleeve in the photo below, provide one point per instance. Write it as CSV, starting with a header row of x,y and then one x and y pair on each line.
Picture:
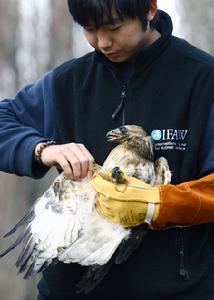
x,y
206,156
24,121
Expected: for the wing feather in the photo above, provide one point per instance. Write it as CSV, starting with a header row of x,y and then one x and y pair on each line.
x,y
97,244
54,222
22,237
24,221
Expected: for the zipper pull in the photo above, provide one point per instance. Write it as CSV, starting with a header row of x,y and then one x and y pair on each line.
x,y
118,110
183,272
121,105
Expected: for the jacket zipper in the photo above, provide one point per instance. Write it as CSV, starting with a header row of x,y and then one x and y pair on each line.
x,y
121,106
183,272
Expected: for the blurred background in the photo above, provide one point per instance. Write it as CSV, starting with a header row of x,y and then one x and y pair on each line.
x,y
35,36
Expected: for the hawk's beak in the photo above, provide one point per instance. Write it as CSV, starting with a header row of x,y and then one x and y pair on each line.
x,y
114,135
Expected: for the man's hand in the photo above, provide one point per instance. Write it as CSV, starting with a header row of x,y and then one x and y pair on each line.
x,y
130,203
73,159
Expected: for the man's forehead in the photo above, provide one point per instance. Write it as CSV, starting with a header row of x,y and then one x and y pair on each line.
x,y
112,20
107,21
108,17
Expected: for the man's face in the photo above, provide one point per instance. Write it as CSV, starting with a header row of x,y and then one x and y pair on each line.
x,y
119,41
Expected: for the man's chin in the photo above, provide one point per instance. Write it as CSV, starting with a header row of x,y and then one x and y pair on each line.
x,y
115,56
118,59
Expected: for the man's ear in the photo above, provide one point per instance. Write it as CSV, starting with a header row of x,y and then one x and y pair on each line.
x,y
153,10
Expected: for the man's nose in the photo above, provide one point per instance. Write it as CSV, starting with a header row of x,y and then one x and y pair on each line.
x,y
104,40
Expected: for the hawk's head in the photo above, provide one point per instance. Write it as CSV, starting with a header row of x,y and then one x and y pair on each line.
x,y
131,133
134,137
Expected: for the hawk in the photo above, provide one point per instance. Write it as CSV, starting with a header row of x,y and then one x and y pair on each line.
x,y
63,224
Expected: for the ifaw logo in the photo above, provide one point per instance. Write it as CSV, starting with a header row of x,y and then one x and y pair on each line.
x,y
169,139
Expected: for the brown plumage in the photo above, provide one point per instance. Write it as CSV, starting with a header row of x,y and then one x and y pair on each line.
x,y
134,155
75,232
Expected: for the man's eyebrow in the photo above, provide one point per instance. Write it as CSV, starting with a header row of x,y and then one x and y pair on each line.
x,y
112,21
116,19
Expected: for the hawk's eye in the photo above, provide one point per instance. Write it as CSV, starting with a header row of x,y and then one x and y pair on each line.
x,y
123,130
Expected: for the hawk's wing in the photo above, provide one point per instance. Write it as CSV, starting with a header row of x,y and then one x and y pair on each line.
x,y
98,243
64,225
55,221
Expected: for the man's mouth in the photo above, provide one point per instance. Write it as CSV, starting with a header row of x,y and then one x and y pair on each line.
x,y
111,54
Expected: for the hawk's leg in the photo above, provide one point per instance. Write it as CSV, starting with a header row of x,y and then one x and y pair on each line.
x,y
117,175
162,171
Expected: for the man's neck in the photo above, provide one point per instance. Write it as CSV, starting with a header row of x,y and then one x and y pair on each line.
x,y
153,37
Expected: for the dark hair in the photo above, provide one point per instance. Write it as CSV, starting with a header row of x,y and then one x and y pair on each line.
x,y
84,11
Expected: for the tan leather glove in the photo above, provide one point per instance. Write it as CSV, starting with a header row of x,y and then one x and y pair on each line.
x,y
129,204
136,202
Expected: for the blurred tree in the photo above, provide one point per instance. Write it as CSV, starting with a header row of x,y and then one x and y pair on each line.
x,y
8,24
197,21
35,36
61,45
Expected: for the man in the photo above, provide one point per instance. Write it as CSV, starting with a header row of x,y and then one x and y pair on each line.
x,y
138,74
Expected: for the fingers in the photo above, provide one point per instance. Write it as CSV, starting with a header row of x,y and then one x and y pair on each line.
x,y
90,161
74,159
64,165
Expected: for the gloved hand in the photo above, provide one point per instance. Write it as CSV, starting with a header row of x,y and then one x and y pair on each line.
x,y
130,203
135,202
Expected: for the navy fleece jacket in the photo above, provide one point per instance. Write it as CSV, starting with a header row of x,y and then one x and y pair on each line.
x,y
29,118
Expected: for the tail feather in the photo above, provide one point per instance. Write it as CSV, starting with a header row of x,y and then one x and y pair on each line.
x,y
130,245
93,276
45,265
